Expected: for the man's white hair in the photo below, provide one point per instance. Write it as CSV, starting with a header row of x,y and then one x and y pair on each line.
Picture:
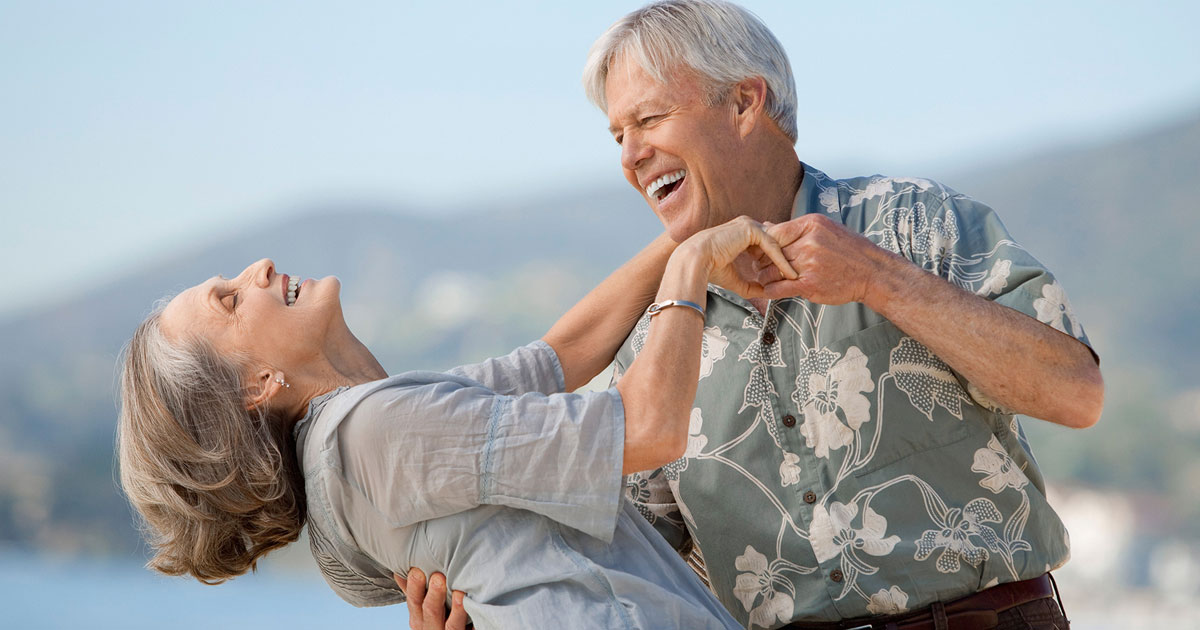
x,y
719,41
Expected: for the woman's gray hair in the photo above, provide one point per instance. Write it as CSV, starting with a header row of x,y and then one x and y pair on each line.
x,y
720,41
217,485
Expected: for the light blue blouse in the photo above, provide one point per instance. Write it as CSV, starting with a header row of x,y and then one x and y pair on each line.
x,y
493,476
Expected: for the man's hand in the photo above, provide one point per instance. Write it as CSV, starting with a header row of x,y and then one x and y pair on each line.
x,y
834,265
426,610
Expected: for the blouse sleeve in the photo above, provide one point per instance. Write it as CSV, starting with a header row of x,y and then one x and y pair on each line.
x,y
447,445
530,368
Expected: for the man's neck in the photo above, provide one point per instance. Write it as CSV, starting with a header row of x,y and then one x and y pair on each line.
x,y
780,198
778,192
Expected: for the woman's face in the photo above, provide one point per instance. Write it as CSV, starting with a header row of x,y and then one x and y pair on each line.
x,y
254,316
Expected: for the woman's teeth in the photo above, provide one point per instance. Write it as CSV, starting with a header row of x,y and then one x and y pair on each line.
x,y
658,184
293,289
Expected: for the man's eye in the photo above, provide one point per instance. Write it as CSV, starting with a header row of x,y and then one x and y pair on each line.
x,y
231,300
618,139
647,120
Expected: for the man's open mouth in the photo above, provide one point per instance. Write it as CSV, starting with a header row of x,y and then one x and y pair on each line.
x,y
665,185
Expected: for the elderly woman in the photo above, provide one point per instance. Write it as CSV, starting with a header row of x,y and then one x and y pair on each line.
x,y
249,408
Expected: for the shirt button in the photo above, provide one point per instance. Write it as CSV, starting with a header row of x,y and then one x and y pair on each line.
x,y
789,421
810,497
836,575
768,338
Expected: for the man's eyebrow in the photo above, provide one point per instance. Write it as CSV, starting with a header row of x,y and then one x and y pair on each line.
x,y
635,112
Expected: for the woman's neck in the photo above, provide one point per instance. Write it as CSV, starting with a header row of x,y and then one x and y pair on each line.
x,y
345,362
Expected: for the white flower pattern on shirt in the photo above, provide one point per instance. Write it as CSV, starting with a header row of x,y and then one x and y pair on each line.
x,y
826,386
1054,307
1000,469
892,601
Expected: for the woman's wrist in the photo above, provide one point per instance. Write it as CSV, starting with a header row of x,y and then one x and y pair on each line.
x,y
686,275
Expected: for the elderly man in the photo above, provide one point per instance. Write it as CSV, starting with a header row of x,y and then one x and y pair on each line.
x,y
853,458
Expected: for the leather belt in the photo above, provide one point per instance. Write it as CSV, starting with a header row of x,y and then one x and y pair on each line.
x,y
973,612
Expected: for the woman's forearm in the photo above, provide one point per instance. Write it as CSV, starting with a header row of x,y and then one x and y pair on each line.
x,y
658,389
587,337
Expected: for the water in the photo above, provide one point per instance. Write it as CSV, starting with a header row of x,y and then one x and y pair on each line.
x,y
38,591
47,592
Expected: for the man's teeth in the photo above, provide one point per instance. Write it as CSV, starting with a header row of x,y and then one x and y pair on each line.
x,y
293,288
663,181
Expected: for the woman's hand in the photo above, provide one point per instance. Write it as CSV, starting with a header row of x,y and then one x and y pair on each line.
x,y
721,246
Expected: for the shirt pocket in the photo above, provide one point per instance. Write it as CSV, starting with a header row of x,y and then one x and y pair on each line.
x,y
916,402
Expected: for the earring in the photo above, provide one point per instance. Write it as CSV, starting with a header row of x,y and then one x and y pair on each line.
x,y
281,382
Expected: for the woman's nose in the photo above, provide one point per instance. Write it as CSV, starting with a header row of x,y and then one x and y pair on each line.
x,y
262,271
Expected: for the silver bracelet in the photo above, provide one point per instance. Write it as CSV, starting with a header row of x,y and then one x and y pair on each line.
x,y
658,307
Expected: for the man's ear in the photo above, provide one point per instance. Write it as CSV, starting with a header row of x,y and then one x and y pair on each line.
x,y
749,97
262,388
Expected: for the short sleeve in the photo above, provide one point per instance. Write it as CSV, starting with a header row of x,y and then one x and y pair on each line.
x,y
964,241
530,368
421,452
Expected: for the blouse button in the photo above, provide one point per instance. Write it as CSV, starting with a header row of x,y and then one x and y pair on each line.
x,y
810,497
768,338
789,421
836,575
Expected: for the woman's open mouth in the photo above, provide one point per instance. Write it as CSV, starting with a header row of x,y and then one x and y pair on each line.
x,y
293,291
664,186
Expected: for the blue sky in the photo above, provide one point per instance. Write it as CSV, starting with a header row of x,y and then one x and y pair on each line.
x,y
130,129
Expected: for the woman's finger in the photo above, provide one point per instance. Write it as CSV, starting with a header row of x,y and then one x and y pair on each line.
x,y
458,619
775,253
434,608
416,597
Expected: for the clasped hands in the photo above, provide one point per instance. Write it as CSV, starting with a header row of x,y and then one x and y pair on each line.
x,y
832,264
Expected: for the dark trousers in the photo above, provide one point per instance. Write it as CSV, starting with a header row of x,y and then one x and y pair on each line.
x,y
1028,605
1043,614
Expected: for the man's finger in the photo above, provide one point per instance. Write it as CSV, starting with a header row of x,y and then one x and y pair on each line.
x,y
434,608
458,619
783,289
416,597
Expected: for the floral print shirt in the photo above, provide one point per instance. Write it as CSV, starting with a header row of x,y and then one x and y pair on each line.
x,y
836,468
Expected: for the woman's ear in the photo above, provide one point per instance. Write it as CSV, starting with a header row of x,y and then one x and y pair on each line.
x,y
750,101
263,388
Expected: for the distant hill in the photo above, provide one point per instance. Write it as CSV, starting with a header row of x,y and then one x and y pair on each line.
x,y
1115,222
1119,225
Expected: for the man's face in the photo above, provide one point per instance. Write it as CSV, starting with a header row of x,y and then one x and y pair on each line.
x,y
674,147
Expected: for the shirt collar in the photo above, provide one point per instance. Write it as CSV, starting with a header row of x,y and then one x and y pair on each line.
x,y
808,197
300,429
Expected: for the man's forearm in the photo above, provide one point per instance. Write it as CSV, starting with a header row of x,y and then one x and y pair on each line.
x,y
588,336
1020,363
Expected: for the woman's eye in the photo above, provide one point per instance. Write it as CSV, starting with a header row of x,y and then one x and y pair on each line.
x,y
231,301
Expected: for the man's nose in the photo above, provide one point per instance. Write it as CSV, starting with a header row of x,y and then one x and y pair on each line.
x,y
634,151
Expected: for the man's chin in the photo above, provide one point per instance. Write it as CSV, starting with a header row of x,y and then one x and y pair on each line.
x,y
681,230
